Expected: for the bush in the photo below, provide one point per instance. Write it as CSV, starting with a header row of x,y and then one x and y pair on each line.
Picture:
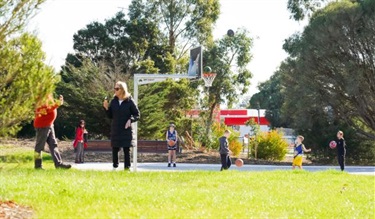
x,y
271,146
236,147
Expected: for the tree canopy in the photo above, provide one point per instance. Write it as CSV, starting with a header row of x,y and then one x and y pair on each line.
x,y
140,41
332,64
14,15
327,82
300,9
228,57
23,75
183,22
271,98
119,43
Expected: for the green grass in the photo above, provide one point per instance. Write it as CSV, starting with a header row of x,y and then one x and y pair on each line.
x,y
12,154
280,194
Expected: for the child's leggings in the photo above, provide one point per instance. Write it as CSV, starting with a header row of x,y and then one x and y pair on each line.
x,y
341,159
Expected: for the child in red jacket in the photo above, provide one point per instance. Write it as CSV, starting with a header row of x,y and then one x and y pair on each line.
x,y
80,143
45,115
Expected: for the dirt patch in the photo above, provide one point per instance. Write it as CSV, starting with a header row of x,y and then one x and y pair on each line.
x,y
11,210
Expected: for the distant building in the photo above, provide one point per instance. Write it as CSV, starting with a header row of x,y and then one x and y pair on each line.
x,y
237,118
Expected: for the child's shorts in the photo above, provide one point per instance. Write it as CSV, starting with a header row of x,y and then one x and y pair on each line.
x,y
173,148
297,161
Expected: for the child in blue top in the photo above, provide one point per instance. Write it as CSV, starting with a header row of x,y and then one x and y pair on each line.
x,y
172,136
299,148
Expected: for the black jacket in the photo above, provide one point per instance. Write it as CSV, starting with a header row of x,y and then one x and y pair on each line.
x,y
120,114
341,146
224,147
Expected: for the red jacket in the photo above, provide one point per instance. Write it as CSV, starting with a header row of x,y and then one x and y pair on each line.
x,y
45,116
79,137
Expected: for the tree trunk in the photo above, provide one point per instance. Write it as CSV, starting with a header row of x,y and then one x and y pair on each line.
x,y
172,42
209,119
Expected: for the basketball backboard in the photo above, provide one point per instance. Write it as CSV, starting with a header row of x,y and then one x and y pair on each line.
x,y
196,62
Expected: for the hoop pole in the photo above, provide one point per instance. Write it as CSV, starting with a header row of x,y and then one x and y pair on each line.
x,y
135,126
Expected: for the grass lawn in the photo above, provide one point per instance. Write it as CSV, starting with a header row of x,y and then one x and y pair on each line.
x,y
231,194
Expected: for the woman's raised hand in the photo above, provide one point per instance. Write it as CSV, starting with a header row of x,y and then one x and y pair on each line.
x,y
105,104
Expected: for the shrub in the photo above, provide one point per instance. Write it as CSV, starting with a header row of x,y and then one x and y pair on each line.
x,y
236,147
271,146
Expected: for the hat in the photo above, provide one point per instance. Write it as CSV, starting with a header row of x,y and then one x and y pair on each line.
x,y
172,125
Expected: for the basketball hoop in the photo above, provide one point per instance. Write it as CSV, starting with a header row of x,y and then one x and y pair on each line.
x,y
208,78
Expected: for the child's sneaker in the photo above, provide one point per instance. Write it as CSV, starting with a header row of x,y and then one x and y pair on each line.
x,y
169,164
174,165
64,166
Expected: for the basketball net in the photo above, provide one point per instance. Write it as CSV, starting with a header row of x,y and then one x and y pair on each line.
x,y
208,79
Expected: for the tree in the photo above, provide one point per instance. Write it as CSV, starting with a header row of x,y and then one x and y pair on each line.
x,y
104,53
183,23
228,57
327,79
333,65
164,103
84,89
302,8
14,15
118,42
270,97
23,78
186,22
141,43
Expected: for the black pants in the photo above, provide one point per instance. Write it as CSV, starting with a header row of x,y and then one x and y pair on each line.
x,y
225,161
341,159
115,151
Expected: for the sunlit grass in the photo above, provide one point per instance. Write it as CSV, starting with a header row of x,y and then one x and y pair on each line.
x,y
279,194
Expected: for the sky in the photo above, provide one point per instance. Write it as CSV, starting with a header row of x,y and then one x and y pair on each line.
x,y
268,22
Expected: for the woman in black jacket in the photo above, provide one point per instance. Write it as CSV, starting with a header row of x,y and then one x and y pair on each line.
x,y
123,111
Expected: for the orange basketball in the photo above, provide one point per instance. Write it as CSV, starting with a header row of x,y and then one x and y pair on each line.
x,y
171,143
239,162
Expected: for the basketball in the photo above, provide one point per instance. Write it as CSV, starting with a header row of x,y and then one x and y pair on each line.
x,y
239,162
171,143
332,144
230,32
207,69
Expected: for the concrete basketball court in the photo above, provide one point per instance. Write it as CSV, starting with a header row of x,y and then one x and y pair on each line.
x,y
142,167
